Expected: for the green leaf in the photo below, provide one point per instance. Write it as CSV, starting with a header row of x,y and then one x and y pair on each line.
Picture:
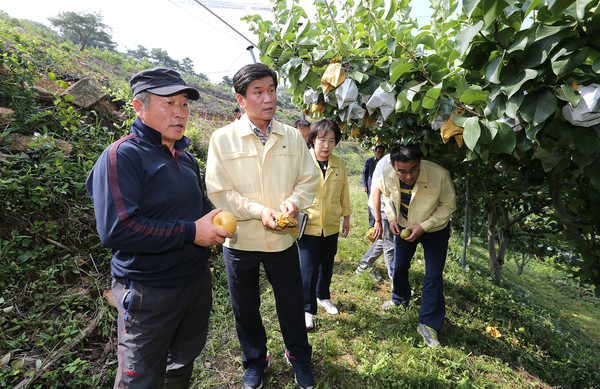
x,y
513,85
568,63
390,9
431,97
596,65
295,62
464,37
359,77
472,132
492,9
582,160
513,104
469,6
532,5
426,39
593,171
474,95
538,106
413,88
538,52
391,44
506,140
586,144
460,120
494,69
577,8
361,64
478,56
305,29
544,30
557,6
398,68
304,71
567,93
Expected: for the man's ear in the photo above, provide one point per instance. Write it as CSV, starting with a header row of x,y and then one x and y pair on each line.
x,y
137,106
241,99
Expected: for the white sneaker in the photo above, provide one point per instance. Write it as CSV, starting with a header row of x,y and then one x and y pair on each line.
x,y
328,305
308,319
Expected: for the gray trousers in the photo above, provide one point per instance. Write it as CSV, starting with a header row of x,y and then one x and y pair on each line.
x,y
161,331
384,246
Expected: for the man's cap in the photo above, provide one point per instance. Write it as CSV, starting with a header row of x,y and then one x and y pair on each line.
x,y
161,82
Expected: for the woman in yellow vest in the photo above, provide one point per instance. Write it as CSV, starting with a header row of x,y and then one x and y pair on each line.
x,y
318,244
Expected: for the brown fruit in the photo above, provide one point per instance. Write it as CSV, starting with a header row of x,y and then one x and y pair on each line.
x,y
225,221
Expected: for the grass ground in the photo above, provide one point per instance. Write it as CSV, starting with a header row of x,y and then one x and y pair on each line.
x,y
549,336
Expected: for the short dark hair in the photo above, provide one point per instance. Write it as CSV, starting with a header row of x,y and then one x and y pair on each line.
x,y
379,146
406,153
301,123
249,73
322,126
236,109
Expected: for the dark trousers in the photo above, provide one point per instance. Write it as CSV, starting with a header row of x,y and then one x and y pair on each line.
x,y
316,255
435,247
161,331
283,272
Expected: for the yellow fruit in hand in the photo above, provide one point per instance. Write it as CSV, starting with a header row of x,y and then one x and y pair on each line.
x,y
405,233
370,234
225,221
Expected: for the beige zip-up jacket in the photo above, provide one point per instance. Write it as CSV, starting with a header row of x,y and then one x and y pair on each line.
x,y
243,177
433,198
332,199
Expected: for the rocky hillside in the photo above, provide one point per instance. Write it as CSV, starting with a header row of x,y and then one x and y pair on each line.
x,y
56,65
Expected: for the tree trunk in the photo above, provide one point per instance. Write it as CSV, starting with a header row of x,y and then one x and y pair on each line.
x,y
495,266
521,264
466,230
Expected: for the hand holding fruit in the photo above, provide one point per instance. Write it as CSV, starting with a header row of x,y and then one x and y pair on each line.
x,y
225,221
412,233
208,234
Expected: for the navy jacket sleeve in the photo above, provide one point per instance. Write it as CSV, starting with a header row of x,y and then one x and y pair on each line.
x,y
365,174
120,193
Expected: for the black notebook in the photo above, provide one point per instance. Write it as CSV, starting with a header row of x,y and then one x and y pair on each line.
x,y
302,221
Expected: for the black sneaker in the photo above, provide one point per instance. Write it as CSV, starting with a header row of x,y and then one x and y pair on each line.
x,y
304,376
253,376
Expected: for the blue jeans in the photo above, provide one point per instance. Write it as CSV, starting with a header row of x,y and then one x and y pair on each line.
x,y
384,246
283,272
435,247
317,254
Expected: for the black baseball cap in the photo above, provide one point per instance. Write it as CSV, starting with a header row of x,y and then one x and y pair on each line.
x,y
161,82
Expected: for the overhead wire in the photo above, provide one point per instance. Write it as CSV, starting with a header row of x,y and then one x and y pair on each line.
x,y
227,24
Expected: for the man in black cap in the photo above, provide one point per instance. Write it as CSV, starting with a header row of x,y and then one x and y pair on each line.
x,y
152,212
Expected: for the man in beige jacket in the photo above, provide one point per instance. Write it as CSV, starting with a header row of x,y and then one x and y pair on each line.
x,y
425,199
257,166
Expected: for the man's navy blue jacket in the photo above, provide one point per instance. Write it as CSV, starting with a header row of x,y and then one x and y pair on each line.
x,y
146,201
368,170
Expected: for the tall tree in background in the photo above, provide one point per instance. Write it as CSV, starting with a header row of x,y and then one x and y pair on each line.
x,y
84,29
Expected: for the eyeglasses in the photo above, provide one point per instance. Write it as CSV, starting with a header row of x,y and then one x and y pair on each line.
x,y
412,171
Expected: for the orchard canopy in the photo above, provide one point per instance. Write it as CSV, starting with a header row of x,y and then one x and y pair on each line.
x,y
508,84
